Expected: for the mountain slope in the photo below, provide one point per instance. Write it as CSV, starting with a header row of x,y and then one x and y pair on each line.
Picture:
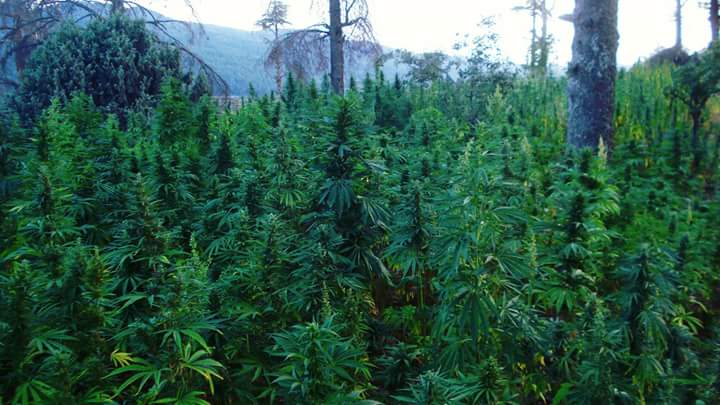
x,y
238,56
235,54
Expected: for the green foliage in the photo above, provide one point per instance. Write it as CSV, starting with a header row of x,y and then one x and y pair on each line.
x,y
320,366
423,243
174,120
428,67
698,80
119,63
694,84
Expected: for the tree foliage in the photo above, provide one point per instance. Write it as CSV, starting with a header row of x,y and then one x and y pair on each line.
x,y
117,62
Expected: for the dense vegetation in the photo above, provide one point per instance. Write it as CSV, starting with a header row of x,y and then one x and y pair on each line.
x,y
405,243
117,61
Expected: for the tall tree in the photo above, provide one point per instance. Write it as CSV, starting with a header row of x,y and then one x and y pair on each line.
x,y
591,74
714,19
337,55
348,31
427,67
546,39
273,19
714,16
25,24
695,83
678,23
118,62
540,38
22,24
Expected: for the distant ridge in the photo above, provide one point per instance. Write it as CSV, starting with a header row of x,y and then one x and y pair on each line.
x,y
238,56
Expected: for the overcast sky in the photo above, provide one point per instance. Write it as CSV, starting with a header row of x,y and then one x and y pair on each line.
x,y
430,25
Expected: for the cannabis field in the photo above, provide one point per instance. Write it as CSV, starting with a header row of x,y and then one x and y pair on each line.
x,y
401,244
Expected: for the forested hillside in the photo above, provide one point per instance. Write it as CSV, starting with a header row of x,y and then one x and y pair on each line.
x,y
401,242
239,57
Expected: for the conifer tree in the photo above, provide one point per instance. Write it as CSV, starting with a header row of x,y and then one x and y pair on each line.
x,y
116,61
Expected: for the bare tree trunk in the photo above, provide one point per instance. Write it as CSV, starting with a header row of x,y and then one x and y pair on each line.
x,y
592,71
278,65
545,40
714,19
337,58
696,116
534,43
22,52
678,24
20,41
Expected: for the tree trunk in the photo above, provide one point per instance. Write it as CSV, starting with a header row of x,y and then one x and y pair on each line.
x,y
117,6
278,64
22,50
678,24
21,16
714,19
534,43
697,123
695,141
337,58
591,74
545,39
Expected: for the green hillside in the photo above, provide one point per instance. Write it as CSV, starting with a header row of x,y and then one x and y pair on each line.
x,y
235,54
238,56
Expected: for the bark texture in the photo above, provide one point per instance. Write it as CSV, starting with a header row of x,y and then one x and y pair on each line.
x,y
278,64
22,49
714,19
337,45
591,74
19,26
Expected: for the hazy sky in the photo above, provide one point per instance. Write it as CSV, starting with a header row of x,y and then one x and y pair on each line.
x,y
429,25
